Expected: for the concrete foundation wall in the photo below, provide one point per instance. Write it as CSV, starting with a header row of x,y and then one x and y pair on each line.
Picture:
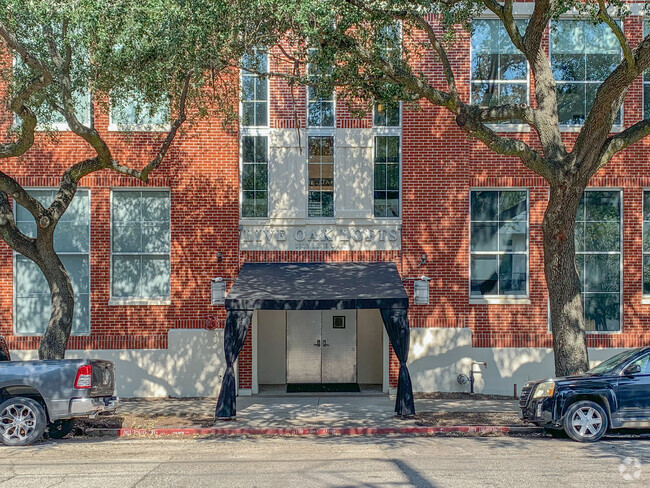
x,y
438,355
193,366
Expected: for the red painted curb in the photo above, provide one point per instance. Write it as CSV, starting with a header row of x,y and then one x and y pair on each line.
x,y
316,431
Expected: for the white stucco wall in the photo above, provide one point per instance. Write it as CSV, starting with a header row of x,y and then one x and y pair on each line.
x,y
193,366
438,355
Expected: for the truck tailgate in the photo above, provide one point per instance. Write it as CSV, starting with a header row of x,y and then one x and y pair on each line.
x,y
103,383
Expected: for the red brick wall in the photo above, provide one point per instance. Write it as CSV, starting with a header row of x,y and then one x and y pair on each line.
x,y
440,166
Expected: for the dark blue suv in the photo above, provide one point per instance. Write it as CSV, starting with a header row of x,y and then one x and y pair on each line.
x,y
613,395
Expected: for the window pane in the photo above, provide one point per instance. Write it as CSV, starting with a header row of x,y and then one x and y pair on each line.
x,y
155,276
484,205
646,275
29,279
571,103
484,236
603,205
602,236
513,67
602,272
602,312
568,67
126,276
512,93
248,177
485,94
126,206
155,237
155,206
484,275
512,236
512,205
392,176
392,204
512,274
127,237
380,176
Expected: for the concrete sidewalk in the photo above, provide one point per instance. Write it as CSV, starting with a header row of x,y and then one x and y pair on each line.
x,y
309,411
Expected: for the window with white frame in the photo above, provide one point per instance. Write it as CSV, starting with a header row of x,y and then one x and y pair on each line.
x,y
646,79
140,244
320,103
646,243
598,258
132,113
32,302
582,57
498,243
255,90
389,40
499,69
387,176
255,176
386,115
321,176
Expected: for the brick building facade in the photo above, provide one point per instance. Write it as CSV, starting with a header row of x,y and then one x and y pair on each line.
x,y
438,231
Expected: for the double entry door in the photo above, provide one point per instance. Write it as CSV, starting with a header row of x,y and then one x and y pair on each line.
x,y
321,346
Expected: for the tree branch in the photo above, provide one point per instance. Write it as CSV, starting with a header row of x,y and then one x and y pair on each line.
x,y
10,232
18,103
10,187
442,55
90,135
604,15
620,141
155,162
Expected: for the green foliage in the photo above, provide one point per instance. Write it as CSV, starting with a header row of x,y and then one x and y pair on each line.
x,y
128,48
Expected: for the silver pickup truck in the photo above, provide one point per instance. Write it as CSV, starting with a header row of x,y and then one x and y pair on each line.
x,y
40,395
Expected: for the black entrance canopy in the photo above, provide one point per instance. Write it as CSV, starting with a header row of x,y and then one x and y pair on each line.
x,y
316,286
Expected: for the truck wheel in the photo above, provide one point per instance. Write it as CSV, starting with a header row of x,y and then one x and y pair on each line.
x,y
22,421
585,421
59,429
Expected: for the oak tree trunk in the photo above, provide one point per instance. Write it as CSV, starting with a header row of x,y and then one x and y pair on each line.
x,y
55,339
4,350
565,297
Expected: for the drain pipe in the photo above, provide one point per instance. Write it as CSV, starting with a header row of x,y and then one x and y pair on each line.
x,y
463,378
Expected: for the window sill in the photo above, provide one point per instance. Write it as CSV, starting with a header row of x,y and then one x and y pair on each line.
x,y
139,301
500,301
509,127
138,128
578,128
645,300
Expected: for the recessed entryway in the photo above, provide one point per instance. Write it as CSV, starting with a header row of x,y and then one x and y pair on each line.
x,y
356,349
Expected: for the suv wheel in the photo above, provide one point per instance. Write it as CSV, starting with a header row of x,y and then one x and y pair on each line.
x,y
22,421
585,421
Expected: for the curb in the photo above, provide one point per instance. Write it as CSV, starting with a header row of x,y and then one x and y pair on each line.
x,y
317,431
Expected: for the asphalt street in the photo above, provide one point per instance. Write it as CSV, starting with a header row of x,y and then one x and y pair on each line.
x,y
333,462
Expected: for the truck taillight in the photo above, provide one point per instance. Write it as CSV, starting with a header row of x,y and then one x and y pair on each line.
x,y
84,377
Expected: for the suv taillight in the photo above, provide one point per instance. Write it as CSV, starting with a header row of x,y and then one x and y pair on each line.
x,y
84,377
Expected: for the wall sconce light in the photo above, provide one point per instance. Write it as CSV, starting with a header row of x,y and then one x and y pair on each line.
x,y
421,289
218,291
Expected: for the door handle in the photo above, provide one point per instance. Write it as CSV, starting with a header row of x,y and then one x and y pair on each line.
x,y
317,343
325,344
